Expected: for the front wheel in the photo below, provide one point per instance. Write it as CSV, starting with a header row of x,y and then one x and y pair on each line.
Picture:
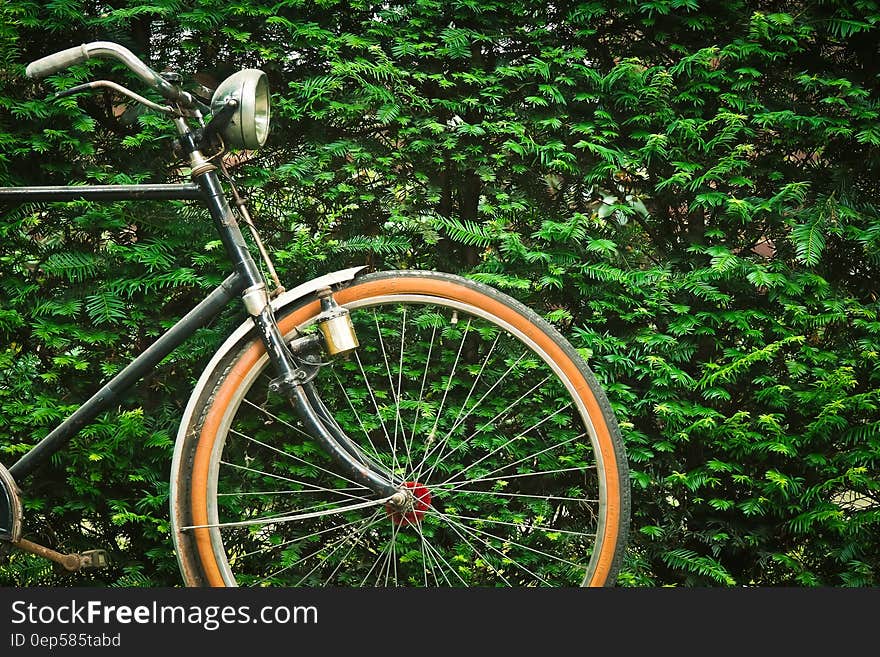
x,y
508,448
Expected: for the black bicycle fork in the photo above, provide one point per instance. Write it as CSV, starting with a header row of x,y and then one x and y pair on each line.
x,y
293,375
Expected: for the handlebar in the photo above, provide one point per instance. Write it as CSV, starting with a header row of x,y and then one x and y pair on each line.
x,y
106,49
54,63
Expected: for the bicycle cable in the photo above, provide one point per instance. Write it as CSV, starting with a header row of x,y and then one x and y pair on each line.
x,y
245,215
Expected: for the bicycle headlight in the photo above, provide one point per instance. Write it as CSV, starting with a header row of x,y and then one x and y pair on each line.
x,y
249,125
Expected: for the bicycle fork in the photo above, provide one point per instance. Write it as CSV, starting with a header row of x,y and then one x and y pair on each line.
x,y
295,363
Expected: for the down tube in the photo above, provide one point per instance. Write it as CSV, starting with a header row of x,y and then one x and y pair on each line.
x,y
109,394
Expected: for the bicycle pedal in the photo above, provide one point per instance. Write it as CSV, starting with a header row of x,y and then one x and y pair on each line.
x,y
94,559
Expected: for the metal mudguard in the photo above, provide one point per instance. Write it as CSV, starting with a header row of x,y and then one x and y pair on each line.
x,y
10,507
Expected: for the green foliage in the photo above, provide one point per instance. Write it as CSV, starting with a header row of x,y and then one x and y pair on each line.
x,y
686,189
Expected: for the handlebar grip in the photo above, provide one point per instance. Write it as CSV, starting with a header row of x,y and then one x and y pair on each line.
x,y
54,63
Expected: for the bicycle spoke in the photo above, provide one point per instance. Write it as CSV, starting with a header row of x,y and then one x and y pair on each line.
x,y
399,396
452,525
500,447
350,550
433,430
284,492
555,498
424,381
452,480
491,547
485,362
521,527
394,397
353,538
297,459
507,541
529,457
512,476
376,563
483,426
276,418
439,556
293,518
299,538
373,398
392,555
449,380
418,526
458,419
433,560
375,454
287,513
338,491
306,558
458,422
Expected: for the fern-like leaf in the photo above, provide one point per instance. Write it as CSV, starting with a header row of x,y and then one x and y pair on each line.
x,y
104,307
809,241
469,233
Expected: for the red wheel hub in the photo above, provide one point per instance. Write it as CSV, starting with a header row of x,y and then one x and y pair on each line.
x,y
413,512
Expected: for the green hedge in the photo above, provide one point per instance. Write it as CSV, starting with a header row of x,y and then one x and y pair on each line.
x,y
686,189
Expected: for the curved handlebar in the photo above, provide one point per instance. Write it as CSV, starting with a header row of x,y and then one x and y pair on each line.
x,y
65,58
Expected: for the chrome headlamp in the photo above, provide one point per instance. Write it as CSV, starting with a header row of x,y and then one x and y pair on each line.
x,y
249,125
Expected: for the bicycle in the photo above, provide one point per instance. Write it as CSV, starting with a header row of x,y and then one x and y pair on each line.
x,y
385,428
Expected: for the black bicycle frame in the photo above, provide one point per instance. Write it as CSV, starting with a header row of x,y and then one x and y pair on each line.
x,y
246,281
181,192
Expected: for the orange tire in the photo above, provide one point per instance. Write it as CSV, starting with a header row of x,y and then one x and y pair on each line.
x,y
495,426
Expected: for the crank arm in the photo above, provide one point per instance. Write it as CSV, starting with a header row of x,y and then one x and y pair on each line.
x,y
71,562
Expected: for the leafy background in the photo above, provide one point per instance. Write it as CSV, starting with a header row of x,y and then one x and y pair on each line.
x,y
687,189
